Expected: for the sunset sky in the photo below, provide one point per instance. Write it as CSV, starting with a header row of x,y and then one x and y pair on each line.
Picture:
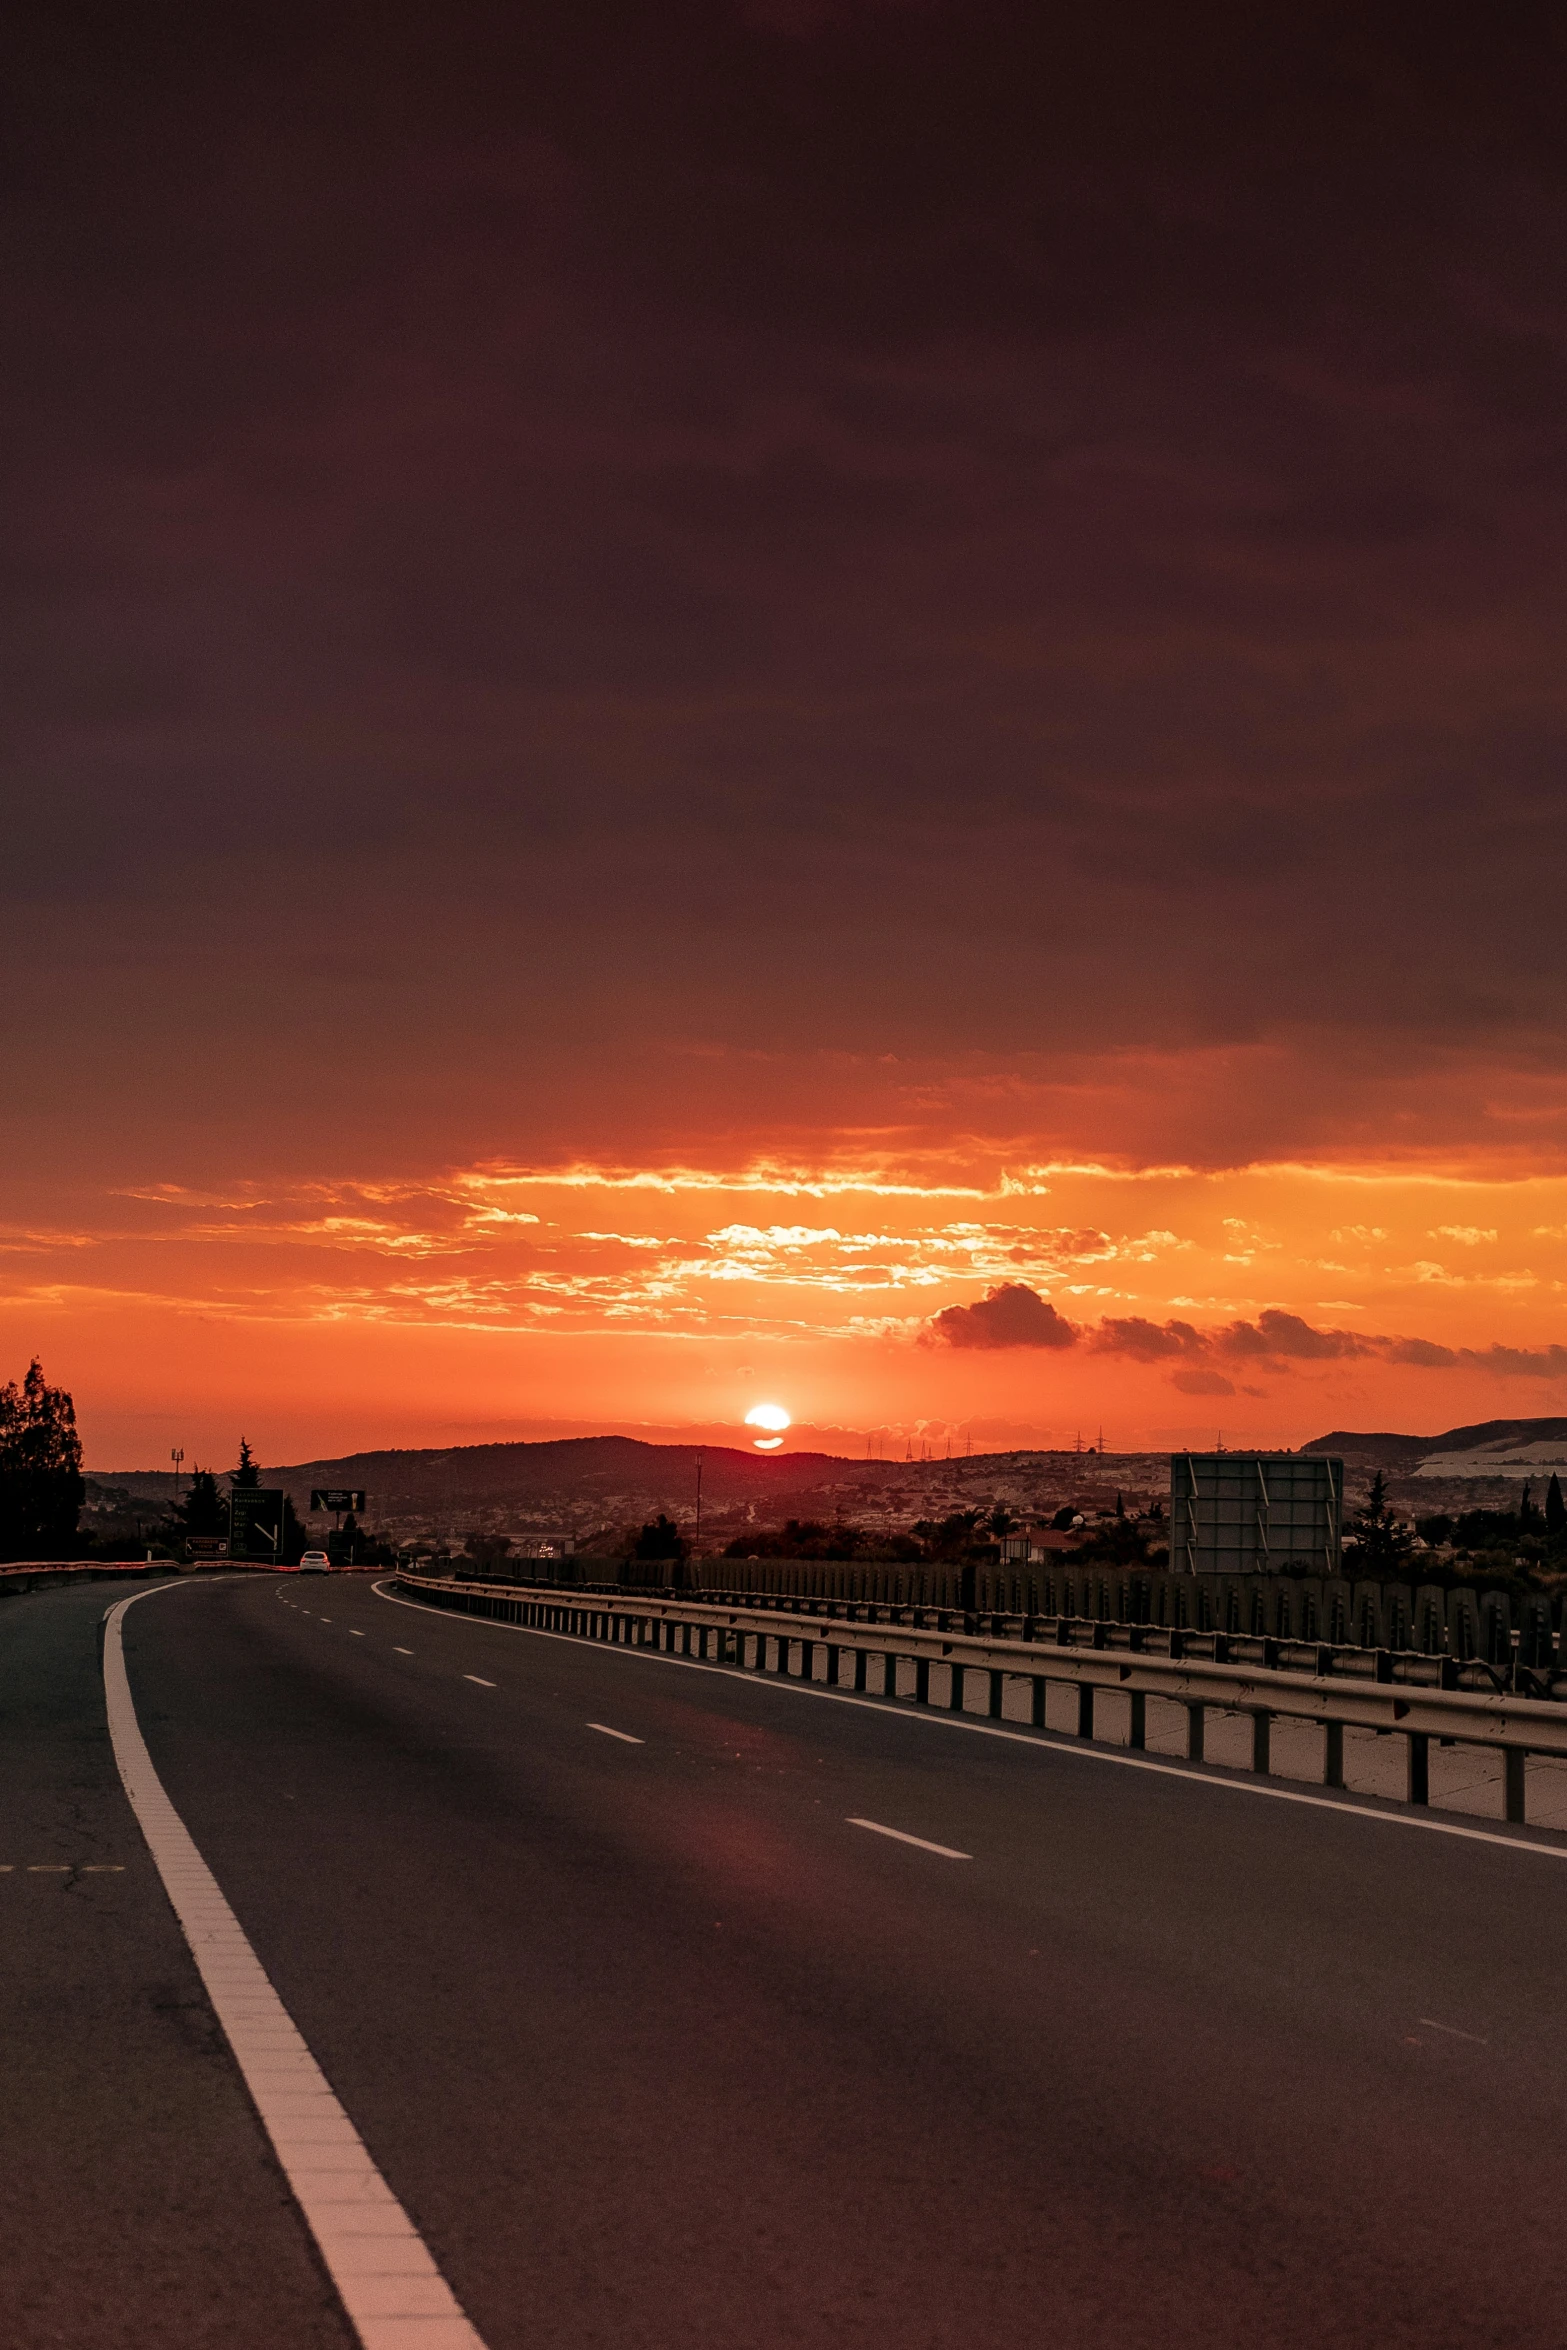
x,y
688,686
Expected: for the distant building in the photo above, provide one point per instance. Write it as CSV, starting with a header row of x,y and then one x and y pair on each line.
x,y
1245,1513
1034,1547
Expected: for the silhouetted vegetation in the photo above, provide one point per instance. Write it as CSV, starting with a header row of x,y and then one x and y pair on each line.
x,y
1523,1547
661,1539
41,1486
204,1512
1119,1542
1383,1542
813,1538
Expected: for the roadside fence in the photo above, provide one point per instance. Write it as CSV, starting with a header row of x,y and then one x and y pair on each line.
x,y
934,1657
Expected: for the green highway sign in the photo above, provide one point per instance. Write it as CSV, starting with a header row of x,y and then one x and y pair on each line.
x,y
256,1524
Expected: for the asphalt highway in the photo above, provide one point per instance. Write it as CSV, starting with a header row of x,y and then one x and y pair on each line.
x,y
662,2032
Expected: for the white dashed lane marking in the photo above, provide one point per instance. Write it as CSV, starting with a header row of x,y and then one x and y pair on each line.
x,y
396,1651
923,1843
624,1736
483,1684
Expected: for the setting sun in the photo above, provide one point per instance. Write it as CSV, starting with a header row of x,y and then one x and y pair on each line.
x,y
772,1417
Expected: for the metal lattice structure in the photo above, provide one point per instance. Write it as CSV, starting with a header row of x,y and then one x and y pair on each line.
x,y
1248,1512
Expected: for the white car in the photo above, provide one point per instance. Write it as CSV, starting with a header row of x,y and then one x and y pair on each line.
x,y
315,1562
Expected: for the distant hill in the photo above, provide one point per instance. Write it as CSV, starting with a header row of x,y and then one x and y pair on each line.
x,y
604,1469
1489,1435
1384,1451
1374,1451
583,1485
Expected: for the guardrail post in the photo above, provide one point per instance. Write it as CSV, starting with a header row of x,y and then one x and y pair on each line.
x,y
1514,1759
922,1680
1196,1724
833,1654
1037,1685
862,1658
1261,1727
1137,1734
1085,1709
1419,1767
807,1660
783,1655
955,1689
889,1674
997,1691
1333,1754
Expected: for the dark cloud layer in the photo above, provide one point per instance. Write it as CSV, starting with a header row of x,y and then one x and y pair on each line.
x,y
1011,1314
916,530
1015,1315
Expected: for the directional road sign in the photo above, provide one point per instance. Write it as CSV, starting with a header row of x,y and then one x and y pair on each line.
x,y
256,1524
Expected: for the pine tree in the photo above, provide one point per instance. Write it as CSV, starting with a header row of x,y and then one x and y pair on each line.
x,y
41,1485
203,1512
1384,1543
247,1477
1555,1510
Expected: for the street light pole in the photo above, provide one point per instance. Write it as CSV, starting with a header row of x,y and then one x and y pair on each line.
x,y
697,1544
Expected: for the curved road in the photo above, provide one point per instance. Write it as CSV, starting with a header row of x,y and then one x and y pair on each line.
x,y
656,2045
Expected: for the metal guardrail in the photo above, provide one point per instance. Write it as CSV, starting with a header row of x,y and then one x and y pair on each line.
x,y
755,1639
36,1574
1512,1660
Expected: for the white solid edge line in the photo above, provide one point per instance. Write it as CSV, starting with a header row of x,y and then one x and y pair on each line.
x,y
899,1837
624,1736
1040,1743
391,2289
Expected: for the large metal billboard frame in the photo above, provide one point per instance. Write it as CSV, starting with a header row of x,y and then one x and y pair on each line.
x,y
1249,1513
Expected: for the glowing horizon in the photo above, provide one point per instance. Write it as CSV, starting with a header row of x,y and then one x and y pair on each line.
x,y
327,1316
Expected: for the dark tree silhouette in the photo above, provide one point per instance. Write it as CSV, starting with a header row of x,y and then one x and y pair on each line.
x,y
1555,1510
41,1485
247,1477
203,1512
661,1540
1384,1543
